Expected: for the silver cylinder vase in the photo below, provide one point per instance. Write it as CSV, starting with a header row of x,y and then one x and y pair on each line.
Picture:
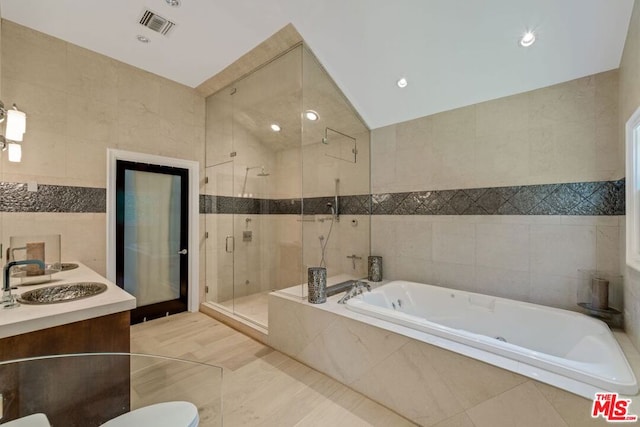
x,y
317,283
375,269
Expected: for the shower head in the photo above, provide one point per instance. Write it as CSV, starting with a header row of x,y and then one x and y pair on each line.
x,y
262,171
325,140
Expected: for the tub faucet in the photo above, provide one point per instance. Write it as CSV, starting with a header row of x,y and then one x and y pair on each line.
x,y
357,289
8,300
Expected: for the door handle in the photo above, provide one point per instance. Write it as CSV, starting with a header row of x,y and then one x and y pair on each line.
x,y
182,252
226,244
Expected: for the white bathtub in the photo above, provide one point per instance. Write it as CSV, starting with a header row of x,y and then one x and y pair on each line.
x,y
551,344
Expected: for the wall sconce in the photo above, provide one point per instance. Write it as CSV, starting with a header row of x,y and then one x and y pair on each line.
x,y
14,131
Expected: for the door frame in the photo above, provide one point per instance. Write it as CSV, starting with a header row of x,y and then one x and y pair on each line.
x,y
193,167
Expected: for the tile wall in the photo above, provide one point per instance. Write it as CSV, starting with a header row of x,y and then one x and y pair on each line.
x,y
545,147
562,133
629,102
528,258
79,103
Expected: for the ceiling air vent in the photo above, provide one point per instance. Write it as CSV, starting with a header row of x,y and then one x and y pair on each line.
x,y
156,22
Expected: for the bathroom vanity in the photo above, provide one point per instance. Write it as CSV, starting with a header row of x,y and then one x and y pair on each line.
x,y
64,386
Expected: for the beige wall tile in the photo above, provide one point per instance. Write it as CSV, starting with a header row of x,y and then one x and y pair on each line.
x,y
570,102
503,246
502,282
554,290
409,374
607,98
523,406
414,134
502,158
383,140
629,90
91,75
346,349
139,87
562,133
454,243
86,161
45,161
506,256
91,120
80,103
408,167
574,245
33,57
138,128
413,239
295,325
46,107
509,114
608,248
471,381
457,276
177,103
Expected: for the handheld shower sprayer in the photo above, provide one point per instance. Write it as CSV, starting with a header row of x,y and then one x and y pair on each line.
x,y
333,210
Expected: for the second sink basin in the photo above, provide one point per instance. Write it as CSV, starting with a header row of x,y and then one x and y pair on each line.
x,y
62,293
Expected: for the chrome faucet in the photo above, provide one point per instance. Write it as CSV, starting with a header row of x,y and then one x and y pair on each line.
x,y
357,289
8,300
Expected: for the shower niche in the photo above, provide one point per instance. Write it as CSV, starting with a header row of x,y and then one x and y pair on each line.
x,y
287,185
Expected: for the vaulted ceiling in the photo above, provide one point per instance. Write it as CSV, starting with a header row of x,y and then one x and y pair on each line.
x,y
452,52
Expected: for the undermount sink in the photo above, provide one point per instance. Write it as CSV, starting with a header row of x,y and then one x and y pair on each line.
x,y
66,266
62,293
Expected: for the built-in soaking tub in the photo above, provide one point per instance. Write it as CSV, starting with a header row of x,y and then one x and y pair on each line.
x,y
560,347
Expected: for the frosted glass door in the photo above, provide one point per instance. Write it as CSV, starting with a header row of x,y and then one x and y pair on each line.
x,y
152,245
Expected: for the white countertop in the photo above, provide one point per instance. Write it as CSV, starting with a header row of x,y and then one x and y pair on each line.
x,y
29,318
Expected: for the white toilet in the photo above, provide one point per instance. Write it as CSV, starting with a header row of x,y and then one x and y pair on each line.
x,y
166,414
34,420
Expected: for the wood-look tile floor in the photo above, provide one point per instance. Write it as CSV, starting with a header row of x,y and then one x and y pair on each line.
x,y
260,386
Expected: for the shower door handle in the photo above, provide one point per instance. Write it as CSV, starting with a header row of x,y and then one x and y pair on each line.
x,y
226,244
182,252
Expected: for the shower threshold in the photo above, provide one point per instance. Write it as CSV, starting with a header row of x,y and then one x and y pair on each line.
x,y
245,324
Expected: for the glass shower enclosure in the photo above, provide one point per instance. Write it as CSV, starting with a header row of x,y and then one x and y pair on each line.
x,y
287,185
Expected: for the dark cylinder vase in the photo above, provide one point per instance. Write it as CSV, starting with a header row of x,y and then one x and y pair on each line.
x,y
375,269
599,293
317,282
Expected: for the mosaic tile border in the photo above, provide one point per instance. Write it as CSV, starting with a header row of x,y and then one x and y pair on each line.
x,y
583,198
15,197
351,205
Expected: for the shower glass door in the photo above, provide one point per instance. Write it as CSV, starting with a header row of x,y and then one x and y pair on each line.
x,y
220,241
220,203
253,169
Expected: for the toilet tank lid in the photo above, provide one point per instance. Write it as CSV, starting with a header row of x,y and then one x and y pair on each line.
x,y
166,414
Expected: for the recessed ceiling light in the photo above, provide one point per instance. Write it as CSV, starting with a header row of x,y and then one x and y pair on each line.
x,y
311,115
142,39
527,39
402,83
173,3
275,127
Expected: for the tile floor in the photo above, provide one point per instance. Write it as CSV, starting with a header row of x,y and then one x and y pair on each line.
x,y
261,386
